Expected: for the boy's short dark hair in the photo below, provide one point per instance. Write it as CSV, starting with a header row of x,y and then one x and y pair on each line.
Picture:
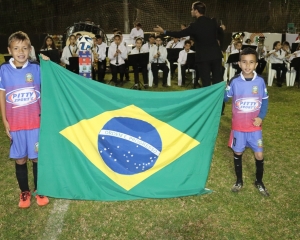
x,y
158,36
138,39
187,42
18,36
138,25
151,36
117,35
98,36
247,51
72,35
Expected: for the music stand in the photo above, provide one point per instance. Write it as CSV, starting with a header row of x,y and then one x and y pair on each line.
x,y
138,60
294,47
191,63
52,54
74,65
233,58
173,54
6,58
249,46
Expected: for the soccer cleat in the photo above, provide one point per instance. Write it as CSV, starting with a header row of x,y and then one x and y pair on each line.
x,y
237,187
41,200
262,189
24,199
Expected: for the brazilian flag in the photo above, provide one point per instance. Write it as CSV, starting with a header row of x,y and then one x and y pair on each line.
x,y
99,142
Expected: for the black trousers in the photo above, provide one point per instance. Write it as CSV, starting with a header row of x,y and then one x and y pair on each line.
x,y
280,71
136,70
206,68
173,67
261,66
126,69
114,72
183,72
161,66
100,72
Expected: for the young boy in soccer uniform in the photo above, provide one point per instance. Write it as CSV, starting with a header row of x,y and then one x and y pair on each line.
x,y
20,109
249,108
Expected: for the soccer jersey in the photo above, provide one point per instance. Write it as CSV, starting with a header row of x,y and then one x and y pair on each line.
x,y
22,91
246,101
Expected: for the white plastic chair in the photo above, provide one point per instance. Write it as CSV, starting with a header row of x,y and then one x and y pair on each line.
x,y
150,75
193,71
272,73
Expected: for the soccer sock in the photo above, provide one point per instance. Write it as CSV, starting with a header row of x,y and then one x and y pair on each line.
x,y
259,170
22,176
238,167
34,170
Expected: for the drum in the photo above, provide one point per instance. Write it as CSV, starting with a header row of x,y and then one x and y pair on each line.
x,y
85,28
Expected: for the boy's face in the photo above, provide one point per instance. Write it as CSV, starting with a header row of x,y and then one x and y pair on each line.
x,y
152,40
158,41
138,43
99,41
117,40
238,46
72,40
278,46
187,46
49,41
20,52
248,64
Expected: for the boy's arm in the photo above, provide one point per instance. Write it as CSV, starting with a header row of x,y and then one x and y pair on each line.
x,y
262,113
3,113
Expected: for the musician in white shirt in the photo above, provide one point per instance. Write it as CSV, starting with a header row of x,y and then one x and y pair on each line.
x,y
69,51
137,32
175,43
117,53
151,43
137,67
262,53
182,60
277,57
100,49
157,58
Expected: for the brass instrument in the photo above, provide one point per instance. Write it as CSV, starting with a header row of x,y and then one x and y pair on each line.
x,y
96,58
260,47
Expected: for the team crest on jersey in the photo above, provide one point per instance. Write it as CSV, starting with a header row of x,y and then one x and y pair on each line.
x,y
259,143
23,96
254,89
29,78
247,104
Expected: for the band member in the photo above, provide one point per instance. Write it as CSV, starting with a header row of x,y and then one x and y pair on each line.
x,y
48,44
262,52
298,38
157,58
182,61
276,56
286,47
151,43
138,66
174,43
100,50
78,35
117,53
137,32
238,48
69,51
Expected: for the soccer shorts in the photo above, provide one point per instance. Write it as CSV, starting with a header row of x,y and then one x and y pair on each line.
x,y
238,141
24,143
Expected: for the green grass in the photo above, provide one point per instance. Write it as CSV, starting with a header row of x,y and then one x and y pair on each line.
x,y
220,215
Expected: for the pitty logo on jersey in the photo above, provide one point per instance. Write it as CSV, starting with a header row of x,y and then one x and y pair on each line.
x,y
22,97
247,104
29,78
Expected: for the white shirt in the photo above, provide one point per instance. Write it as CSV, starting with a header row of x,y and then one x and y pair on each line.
x,y
230,48
136,33
235,51
294,55
121,56
280,56
183,56
163,54
264,53
101,50
147,46
171,44
67,53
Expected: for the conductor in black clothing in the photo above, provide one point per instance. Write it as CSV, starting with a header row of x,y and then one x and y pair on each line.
x,y
208,52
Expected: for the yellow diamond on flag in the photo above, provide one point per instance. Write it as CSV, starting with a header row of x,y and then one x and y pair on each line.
x,y
128,145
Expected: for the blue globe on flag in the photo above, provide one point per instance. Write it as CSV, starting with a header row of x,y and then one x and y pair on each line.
x,y
84,43
129,146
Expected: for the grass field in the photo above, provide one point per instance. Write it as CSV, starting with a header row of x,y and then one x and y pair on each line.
x,y
219,215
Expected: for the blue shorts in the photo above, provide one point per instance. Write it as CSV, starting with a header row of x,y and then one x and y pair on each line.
x,y
238,141
24,143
